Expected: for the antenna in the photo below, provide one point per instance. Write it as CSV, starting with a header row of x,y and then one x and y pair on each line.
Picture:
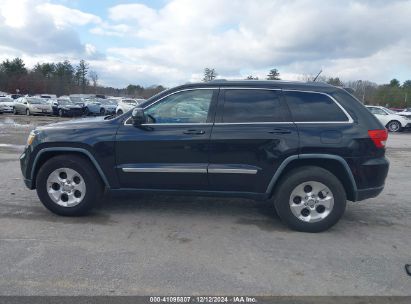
x,y
317,75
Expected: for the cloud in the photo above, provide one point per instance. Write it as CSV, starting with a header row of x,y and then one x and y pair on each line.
x,y
172,44
345,38
37,29
64,16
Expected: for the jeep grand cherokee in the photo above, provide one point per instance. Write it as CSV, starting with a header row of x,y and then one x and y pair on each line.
x,y
308,147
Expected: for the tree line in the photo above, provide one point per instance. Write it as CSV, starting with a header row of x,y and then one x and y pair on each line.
x,y
61,78
64,78
392,94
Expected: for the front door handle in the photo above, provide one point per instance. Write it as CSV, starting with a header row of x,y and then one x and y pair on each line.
x,y
279,131
192,131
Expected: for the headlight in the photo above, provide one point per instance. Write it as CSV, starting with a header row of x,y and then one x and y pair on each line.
x,y
31,137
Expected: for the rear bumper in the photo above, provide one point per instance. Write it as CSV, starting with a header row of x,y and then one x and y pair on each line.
x,y
370,177
364,194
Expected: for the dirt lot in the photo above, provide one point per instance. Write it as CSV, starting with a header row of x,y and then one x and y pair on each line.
x,y
151,245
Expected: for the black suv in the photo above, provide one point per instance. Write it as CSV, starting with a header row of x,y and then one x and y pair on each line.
x,y
308,146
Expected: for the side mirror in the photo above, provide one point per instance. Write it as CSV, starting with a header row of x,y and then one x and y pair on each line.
x,y
138,117
25,102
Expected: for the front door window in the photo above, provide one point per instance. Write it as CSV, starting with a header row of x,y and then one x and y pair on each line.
x,y
183,107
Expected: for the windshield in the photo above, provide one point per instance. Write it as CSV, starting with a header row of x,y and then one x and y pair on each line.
x,y
389,111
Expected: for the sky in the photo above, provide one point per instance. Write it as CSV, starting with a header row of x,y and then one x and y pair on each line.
x,y
170,42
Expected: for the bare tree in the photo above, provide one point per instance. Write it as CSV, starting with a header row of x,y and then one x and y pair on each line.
x,y
209,74
273,75
94,78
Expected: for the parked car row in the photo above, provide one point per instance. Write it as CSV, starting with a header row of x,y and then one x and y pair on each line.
x,y
393,121
67,105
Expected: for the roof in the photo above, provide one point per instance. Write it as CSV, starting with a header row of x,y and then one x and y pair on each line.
x,y
291,85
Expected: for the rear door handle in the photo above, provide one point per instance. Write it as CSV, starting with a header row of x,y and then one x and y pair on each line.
x,y
279,131
192,131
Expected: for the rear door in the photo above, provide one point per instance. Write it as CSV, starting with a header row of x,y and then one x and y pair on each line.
x,y
252,135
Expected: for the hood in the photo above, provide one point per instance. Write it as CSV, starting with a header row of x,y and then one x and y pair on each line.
x,y
7,103
74,123
40,106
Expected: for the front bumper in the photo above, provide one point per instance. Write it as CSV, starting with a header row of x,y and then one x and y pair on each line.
x,y
6,109
24,166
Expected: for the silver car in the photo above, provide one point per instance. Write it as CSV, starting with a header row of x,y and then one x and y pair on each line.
x,y
6,105
32,105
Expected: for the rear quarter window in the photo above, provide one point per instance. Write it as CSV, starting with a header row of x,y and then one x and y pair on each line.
x,y
314,107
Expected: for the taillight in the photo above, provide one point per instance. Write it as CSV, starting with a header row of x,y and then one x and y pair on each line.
x,y
379,137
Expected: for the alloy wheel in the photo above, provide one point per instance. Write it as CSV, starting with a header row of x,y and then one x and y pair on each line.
x,y
311,201
66,187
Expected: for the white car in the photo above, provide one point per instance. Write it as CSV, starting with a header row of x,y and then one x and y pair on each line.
x,y
406,113
390,119
6,105
126,105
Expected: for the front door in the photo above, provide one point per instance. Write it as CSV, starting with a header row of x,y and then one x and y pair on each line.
x,y
171,150
252,136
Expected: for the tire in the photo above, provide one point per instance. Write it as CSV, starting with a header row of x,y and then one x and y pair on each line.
x,y
88,184
102,111
61,113
394,126
28,112
15,111
86,111
119,112
320,217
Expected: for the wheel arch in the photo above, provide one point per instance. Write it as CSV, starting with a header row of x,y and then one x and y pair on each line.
x,y
44,154
394,120
333,163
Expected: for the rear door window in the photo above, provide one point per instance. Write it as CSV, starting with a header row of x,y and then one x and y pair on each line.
x,y
248,105
314,107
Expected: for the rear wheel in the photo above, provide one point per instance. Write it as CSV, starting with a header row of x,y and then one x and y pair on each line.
x,y
102,111
119,112
86,111
394,126
310,199
68,185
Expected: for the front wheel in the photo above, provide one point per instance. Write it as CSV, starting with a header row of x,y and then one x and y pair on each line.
x,y
15,111
61,113
102,111
68,185
119,112
394,126
310,199
27,112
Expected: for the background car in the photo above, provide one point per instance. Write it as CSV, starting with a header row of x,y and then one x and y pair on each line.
x,y
107,106
406,112
91,106
65,107
126,104
6,105
31,106
390,119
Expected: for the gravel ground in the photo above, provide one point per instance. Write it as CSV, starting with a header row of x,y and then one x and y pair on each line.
x,y
157,245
